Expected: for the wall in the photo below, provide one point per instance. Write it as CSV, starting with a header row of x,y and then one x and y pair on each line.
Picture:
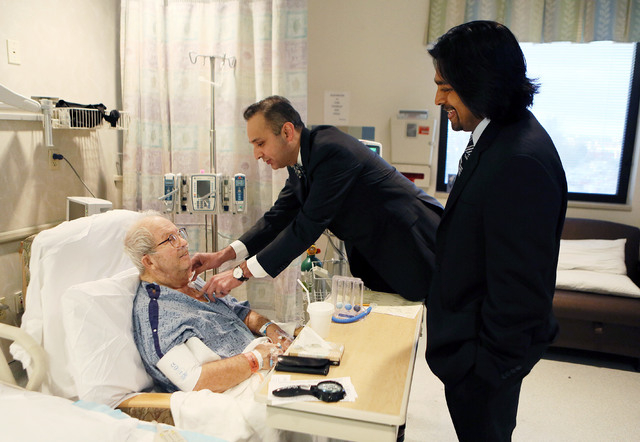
x,y
70,50
374,50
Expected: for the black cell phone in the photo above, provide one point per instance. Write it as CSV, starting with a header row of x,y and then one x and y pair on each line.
x,y
301,364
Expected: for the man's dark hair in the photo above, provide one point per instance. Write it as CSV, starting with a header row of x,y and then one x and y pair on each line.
x,y
482,61
277,111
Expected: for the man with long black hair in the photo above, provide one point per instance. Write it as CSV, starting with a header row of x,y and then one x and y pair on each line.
x,y
489,313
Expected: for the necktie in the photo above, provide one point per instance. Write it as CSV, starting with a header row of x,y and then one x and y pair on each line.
x,y
299,170
465,154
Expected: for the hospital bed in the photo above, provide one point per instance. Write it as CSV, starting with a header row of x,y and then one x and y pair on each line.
x,y
35,351
78,309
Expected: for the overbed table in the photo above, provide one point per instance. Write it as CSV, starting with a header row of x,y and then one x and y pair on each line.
x,y
379,357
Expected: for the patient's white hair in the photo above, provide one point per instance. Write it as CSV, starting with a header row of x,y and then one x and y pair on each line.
x,y
139,240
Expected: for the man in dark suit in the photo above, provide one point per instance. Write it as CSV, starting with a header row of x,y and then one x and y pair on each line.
x,y
489,313
388,225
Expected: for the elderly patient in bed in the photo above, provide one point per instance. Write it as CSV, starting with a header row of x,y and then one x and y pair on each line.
x,y
187,341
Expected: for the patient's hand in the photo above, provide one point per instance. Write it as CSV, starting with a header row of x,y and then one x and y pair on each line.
x,y
270,353
280,338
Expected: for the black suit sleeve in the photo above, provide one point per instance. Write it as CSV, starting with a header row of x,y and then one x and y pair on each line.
x,y
520,229
272,222
289,228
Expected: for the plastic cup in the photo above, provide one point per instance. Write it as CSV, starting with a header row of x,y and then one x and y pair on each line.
x,y
320,317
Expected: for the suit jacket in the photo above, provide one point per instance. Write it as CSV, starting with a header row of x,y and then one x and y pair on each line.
x,y
490,308
388,225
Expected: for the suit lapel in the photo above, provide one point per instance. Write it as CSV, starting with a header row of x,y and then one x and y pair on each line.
x,y
485,141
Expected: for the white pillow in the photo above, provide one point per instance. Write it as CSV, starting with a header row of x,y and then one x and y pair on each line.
x,y
103,359
604,283
73,252
597,255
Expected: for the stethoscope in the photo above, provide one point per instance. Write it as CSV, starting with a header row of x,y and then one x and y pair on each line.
x,y
327,391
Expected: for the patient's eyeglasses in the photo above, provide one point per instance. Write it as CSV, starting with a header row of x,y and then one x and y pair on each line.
x,y
174,239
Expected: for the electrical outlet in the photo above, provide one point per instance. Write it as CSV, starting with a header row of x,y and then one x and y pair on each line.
x,y
53,164
13,52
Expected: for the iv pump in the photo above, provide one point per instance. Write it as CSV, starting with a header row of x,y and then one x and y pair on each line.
x,y
239,192
204,193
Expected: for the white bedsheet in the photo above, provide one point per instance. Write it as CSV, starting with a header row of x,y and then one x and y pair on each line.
x,y
31,416
234,415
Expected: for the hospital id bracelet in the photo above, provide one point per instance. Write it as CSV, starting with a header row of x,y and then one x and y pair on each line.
x,y
253,362
258,356
263,329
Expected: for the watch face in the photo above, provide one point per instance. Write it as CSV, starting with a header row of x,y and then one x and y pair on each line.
x,y
237,273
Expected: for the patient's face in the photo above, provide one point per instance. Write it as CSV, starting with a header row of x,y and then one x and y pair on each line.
x,y
170,266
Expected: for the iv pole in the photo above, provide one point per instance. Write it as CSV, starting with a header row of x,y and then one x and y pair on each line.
x,y
231,61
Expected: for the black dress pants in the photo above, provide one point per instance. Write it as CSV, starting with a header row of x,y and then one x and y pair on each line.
x,y
481,412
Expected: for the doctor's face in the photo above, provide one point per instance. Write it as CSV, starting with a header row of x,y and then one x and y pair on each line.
x,y
170,264
275,150
459,115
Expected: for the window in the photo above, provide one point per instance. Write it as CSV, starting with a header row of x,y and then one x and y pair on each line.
x,y
588,102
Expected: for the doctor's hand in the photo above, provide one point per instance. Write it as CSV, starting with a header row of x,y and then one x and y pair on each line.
x,y
206,261
221,284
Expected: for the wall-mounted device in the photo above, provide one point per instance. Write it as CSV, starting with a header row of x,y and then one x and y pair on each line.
x,y
79,206
239,192
225,194
171,194
412,145
203,193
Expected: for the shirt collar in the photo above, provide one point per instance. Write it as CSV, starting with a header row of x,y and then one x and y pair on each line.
x,y
479,129
300,156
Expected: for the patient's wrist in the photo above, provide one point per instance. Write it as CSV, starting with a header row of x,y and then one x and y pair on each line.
x,y
265,326
254,363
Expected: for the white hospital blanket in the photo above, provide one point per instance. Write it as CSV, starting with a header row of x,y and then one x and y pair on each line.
x,y
31,416
233,415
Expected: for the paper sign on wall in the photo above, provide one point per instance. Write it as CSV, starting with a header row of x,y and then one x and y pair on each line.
x,y
336,108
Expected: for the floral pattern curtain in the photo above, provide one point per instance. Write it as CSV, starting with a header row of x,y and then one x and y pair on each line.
x,y
543,21
167,72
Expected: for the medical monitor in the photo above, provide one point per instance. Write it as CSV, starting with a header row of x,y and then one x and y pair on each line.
x,y
374,146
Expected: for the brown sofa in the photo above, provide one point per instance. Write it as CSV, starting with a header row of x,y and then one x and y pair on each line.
x,y
597,322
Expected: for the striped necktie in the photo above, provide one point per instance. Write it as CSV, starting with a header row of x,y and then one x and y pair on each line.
x,y
466,154
299,170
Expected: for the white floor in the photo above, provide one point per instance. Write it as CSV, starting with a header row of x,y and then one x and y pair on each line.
x,y
569,396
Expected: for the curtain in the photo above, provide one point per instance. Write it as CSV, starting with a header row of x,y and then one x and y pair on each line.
x,y
166,62
543,21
